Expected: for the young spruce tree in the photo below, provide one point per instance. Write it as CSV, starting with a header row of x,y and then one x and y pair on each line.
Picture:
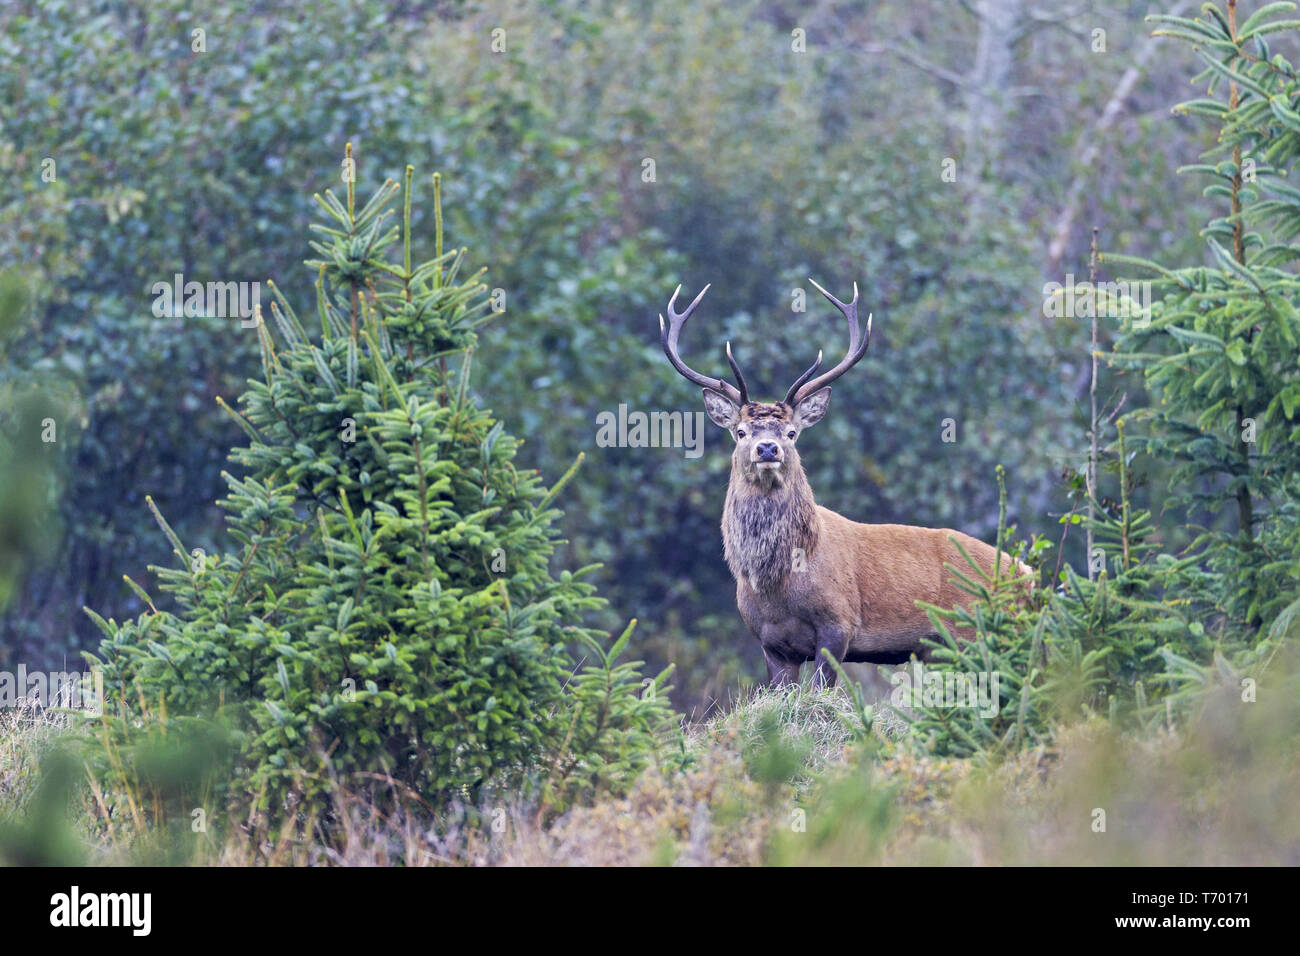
x,y
388,611
1219,349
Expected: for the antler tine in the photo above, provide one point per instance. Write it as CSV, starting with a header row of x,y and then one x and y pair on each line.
x,y
798,382
668,335
740,379
857,348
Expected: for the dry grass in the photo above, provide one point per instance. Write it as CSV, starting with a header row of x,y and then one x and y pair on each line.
x,y
786,777
1220,790
25,730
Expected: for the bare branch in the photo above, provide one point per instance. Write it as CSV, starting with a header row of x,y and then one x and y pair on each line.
x,y
921,63
1034,20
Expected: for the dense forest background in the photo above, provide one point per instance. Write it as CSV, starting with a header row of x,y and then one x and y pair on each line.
x,y
950,158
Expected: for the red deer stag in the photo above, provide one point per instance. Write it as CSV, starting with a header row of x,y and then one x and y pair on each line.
x,y
809,579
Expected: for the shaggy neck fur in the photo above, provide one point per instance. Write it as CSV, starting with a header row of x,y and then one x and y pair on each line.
x,y
766,517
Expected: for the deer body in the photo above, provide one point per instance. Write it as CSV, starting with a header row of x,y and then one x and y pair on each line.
x,y
851,587
808,579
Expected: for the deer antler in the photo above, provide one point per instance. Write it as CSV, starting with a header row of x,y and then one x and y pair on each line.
x,y
805,384
668,334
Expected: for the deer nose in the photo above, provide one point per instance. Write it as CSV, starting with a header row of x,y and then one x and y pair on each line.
x,y
768,451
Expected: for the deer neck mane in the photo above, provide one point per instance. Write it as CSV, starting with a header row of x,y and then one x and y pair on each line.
x,y
767,528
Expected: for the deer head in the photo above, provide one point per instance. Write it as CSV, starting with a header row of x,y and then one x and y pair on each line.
x,y
765,432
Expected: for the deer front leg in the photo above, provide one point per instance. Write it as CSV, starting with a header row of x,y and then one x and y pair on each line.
x,y
780,670
834,639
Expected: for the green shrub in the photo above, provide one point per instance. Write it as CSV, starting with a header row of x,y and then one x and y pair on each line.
x,y
1118,645
388,614
1217,349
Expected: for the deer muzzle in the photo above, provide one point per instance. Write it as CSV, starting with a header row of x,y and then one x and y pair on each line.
x,y
767,453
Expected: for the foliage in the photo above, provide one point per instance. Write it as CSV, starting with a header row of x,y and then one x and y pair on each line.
x,y
1119,644
31,406
1213,790
771,166
168,159
1217,350
388,615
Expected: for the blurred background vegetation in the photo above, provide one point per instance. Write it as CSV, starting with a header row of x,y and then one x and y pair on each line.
x,y
777,155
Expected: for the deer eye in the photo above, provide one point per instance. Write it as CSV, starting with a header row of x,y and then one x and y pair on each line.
x,y
789,434
740,433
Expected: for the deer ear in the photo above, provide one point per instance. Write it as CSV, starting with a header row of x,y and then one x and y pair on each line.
x,y
812,408
720,409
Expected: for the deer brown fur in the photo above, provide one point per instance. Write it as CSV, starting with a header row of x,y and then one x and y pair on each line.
x,y
808,579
